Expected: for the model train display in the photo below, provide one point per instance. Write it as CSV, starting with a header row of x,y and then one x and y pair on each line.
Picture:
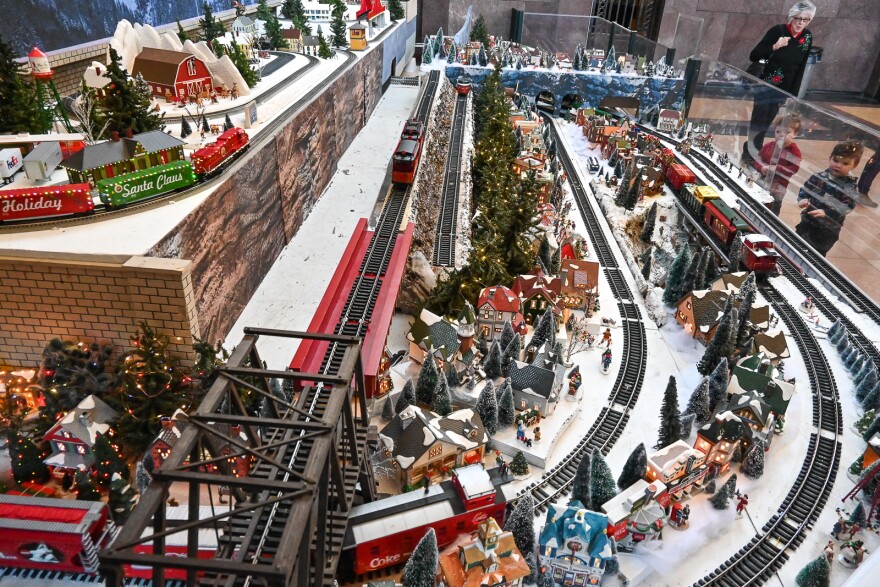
x,y
405,161
384,533
463,85
74,199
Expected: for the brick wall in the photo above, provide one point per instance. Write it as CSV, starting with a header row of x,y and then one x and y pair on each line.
x,y
92,298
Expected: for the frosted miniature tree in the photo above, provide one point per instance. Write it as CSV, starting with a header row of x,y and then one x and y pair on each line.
x,y
487,408
507,334
866,385
721,345
670,417
834,331
748,291
721,499
602,485
545,252
709,488
676,275
120,498
427,382
511,353
858,515
533,569
421,568
506,409
698,404
745,350
452,377
453,53
388,412
843,344
753,463
624,186
650,221
849,357
546,579
483,58
227,123
545,330
438,41
646,263
634,468
493,363
406,397
873,429
817,573
719,379
856,367
735,253
687,425
185,128
141,477
581,484
442,402
649,69
427,51
872,399
556,261
521,521
519,465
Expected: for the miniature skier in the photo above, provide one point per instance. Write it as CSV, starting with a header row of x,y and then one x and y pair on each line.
x,y
606,360
742,502
828,551
807,303
606,339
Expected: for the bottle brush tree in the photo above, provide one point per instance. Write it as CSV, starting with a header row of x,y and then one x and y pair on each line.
x,y
142,477
421,568
85,486
120,498
722,343
602,485
519,465
521,523
670,417
753,463
506,409
108,461
493,363
185,128
817,573
581,484
442,402
427,381
635,467
406,397
511,353
487,408
227,123
719,379
698,404
26,459
676,275
721,499
388,412
650,221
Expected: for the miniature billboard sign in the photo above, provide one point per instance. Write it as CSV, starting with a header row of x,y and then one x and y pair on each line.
x,y
250,114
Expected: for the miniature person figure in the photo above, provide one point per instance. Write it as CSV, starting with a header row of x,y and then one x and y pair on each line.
x,y
828,551
499,460
750,183
521,432
606,338
839,525
427,481
828,196
684,515
788,160
233,93
537,434
742,502
808,303
852,553
852,529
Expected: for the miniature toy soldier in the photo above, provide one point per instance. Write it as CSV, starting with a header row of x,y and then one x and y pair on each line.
x,y
742,502
828,551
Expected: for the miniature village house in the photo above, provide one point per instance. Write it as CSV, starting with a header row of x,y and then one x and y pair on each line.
x,y
294,39
699,313
536,385
681,467
172,428
73,437
538,292
420,443
580,283
357,37
719,439
574,545
757,373
669,120
175,72
122,155
872,452
496,305
637,513
492,558
450,342
772,345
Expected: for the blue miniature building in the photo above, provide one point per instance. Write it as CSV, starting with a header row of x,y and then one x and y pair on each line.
x,y
574,544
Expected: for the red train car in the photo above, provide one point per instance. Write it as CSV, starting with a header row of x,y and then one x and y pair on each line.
x,y
212,156
463,85
724,221
46,202
413,129
385,532
759,254
405,160
678,175
175,544
52,534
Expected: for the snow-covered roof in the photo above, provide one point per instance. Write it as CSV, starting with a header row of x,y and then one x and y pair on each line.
x,y
574,520
414,431
86,421
623,504
676,455
411,518
474,481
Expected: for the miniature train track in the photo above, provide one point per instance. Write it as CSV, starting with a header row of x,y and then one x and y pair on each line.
x,y
860,302
447,223
757,561
267,134
259,535
612,420
63,579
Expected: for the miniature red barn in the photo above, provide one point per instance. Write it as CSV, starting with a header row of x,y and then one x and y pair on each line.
x,y
181,74
310,354
52,534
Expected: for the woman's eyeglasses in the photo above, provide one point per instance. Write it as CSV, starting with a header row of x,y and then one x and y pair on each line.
x,y
804,20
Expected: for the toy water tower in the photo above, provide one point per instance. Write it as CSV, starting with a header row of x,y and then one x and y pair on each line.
x,y
42,73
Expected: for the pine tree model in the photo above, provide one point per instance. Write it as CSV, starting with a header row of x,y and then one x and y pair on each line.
x,y
421,568
556,261
718,382
582,482
493,363
519,465
181,34
521,522
721,345
120,498
545,330
646,264
395,9
698,405
487,408
126,104
676,274
243,65
872,429
817,573
545,252
546,579
227,123
427,50
650,221
753,463
506,409
26,460
602,485
211,27
427,381
338,30
185,128
108,461
19,111
264,13
867,383
274,33
511,353
670,417
721,499
85,486
388,412
748,291
480,32
872,399
442,403
634,468
735,254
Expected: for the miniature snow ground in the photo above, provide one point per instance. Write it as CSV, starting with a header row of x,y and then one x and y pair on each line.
x,y
136,232
714,535
293,288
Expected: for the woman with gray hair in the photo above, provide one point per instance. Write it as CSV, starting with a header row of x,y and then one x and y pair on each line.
x,y
785,48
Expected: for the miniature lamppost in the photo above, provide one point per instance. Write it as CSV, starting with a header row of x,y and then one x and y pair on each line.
x,y
42,73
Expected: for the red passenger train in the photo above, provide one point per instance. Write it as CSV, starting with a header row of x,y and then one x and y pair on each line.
x,y
405,161
210,158
47,201
463,85
385,532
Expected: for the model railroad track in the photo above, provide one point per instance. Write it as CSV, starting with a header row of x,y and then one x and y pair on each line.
x,y
103,213
859,300
17,577
259,535
612,420
765,554
447,223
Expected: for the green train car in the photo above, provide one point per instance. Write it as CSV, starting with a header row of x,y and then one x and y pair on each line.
x,y
146,183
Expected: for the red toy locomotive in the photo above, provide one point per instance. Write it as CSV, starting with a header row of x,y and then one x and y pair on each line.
x,y
213,156
406,157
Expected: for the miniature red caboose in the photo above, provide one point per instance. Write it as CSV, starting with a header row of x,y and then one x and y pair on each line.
x,y
214,155
759,254
52,534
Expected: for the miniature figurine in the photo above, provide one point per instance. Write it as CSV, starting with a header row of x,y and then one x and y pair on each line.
x,y
839,526
606,338
499,460
852,554
537,434
750,183
521,432
828,551
807,304
742,502
606,360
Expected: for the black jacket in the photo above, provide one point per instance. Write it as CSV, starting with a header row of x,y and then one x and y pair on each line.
x,y
785,67
835,195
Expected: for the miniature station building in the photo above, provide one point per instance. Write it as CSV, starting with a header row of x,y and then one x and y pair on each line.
x,y
73,437
492,558
496,305
637,513
357,37
580,284
172,72
420,443
680,466
122,155
573,544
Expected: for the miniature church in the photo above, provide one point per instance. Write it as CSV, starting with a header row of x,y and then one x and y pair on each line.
x,y
492,558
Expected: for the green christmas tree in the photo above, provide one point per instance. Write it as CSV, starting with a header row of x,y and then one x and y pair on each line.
x,y
338,30
264,13
494,363
427,381
634,468
602,485
295,11
421,568
521,520
676,276
582,483
19,112
406,397
519,465
108,461
324,51
506,409
670,417
721,345
152,385
442,402
274,33
395,8
181,34
27,461
227,123
817,573
127,102
85,486
185,128
480,32
120,498
211,27
487,408
243,65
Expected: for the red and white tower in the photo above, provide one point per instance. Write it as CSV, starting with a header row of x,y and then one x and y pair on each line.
x,y
42,73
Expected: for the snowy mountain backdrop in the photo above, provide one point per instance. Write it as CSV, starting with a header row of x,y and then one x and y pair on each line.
x,y
56,24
